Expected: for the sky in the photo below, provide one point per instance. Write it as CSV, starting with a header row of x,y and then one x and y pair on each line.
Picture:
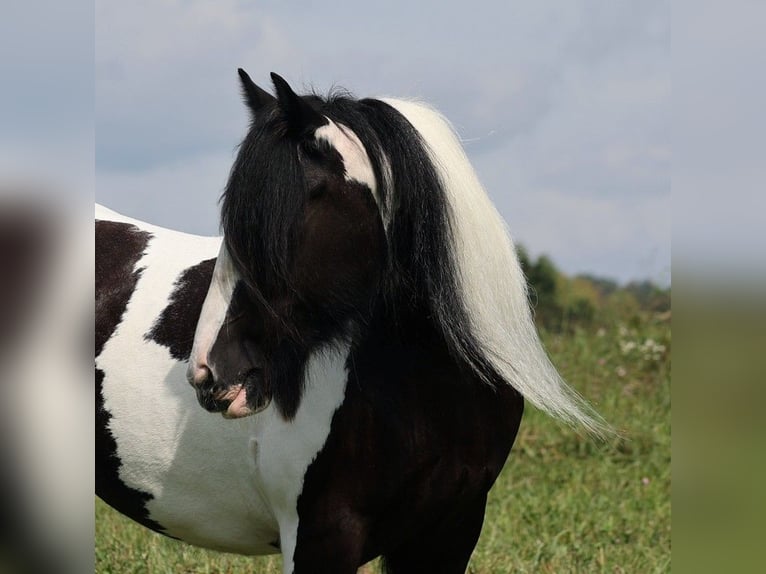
x,y
563,107
719,142
47,96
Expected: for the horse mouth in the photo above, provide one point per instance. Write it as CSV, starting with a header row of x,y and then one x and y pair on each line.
x,y
234,400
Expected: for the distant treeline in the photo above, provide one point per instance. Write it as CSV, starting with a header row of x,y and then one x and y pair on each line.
x,y
561,302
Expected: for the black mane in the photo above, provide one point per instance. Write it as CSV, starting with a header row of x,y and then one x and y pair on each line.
x,y
266,195
262,203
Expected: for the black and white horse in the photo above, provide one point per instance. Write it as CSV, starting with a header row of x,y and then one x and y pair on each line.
x,y
365,306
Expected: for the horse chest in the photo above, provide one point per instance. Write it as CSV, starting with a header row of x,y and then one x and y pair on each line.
x,y
226,485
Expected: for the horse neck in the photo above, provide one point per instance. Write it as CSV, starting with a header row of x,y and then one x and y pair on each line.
x,y
402,339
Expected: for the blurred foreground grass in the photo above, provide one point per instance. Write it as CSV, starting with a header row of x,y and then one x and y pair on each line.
x,y
564,503
719,468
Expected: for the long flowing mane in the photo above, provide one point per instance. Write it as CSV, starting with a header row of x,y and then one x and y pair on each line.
x,y
492,287
449,248
476,286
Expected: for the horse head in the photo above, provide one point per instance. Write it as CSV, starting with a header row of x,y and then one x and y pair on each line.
x,y
342,216
302,256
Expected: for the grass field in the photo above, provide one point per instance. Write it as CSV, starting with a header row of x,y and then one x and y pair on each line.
x,y
563,503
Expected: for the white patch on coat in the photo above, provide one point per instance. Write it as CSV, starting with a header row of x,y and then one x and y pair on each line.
x,y
355,159
193,463
229,485
287,448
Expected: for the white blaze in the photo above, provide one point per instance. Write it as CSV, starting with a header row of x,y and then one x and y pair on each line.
x,y
352,150
213,312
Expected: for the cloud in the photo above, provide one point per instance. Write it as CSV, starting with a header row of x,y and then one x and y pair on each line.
x,y
560,103
166,80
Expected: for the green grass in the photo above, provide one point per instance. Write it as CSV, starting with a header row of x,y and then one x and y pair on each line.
x,y
563,503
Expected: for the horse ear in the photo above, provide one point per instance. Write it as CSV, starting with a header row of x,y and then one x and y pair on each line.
x,y
255,97
301,116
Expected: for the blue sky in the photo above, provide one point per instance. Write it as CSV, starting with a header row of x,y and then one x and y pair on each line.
x,y
564,108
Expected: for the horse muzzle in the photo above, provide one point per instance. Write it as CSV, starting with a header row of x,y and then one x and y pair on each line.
x,y
247,396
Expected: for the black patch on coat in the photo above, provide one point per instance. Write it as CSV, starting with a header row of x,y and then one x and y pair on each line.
x,y
119,247
176,325
411,455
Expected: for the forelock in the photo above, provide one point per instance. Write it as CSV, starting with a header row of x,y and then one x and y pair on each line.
x,y
262,202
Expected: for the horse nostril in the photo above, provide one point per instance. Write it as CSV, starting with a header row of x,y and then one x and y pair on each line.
x,y
211,396
199,375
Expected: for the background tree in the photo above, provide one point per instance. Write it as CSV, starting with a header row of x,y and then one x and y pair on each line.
x,y
563,303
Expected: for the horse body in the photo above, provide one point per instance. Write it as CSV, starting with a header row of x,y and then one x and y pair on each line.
x,y
364,321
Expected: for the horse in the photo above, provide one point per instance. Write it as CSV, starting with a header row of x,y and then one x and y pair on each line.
x,y
359,346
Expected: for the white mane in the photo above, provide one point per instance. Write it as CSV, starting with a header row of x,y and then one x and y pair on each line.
x,y
493,286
